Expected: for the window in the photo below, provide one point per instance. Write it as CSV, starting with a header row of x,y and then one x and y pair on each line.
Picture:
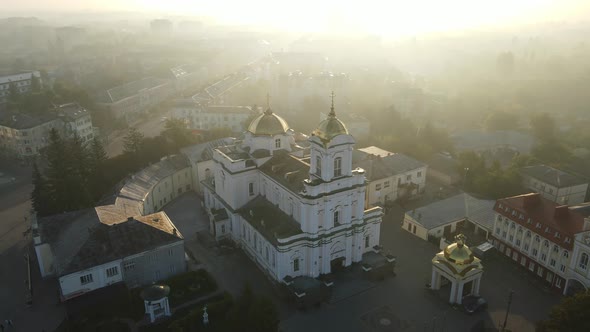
x,y
419,174
526,247
336,217
273,258
540,271
552,262
549,277
386,184
86,279
566,254
515,256
555,249
583,263
278,143
504,234
511,238
172,268
318,166
112,271
296,264
558,283
532,266
543,256
535,252
251,188
367,241
498,230
523,261
409,177
518,242
338,166
129,266
562,268
508,252
378,186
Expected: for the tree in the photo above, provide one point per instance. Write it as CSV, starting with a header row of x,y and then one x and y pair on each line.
x,y
57,173
176,130
569,315
78,161
98,158
543,127
133,141
35,84
39,196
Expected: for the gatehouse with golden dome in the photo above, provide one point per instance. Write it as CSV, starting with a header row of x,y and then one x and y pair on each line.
x,y
460,267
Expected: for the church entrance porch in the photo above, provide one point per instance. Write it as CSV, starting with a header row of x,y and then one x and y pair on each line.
x,y
337,264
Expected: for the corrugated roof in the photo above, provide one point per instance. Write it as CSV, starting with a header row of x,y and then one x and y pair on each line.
x,y
458,207
552,176
127,90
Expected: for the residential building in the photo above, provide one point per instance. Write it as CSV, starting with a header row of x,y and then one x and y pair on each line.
x,y
24,135
201,159
544,237
292,216
220,92
578,276
129,100
95,248
22,82
391,176
555,185
444,218
207,117
76,121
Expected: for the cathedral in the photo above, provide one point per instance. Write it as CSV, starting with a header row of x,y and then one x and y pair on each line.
x,y
295,211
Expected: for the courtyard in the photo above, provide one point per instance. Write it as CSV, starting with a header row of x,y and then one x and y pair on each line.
x,y
401,303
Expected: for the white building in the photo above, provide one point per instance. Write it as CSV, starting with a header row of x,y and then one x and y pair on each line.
x,y
201,159
550,240
22,82
292,216
555,185
95,248
205,117
444,217
24,135
391,176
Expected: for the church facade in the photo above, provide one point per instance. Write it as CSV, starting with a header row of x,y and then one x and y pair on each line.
x,y
294,213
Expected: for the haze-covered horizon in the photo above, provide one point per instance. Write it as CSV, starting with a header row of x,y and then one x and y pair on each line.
x,y
384,18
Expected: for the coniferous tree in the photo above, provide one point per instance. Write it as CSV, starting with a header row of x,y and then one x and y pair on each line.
x,y
98,158
58,173
78,161
39,196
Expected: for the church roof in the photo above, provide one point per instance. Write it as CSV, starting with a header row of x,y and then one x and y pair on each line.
x,y
330,128
269,220
268,123
287,170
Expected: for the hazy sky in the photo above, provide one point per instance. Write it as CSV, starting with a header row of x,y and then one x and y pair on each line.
x,y
388,17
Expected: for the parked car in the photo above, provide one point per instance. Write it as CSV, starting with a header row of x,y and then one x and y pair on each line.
x,y
473,304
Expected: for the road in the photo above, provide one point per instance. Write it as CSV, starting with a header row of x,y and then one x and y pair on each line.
x,y
151,127
15,205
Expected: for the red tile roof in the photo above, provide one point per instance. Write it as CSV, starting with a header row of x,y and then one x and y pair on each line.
x,y
551,216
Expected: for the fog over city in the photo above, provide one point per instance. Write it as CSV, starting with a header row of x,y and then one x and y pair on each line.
x,y
294,165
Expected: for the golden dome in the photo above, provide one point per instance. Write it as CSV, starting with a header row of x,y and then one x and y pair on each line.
x,y
268,123
331,127
459,253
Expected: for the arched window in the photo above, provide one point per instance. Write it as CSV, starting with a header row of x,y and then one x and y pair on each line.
x,y
318,166
546,244
583,264
555,249
528,234
512,226
537,239
337,166
336,217
278,143
566,254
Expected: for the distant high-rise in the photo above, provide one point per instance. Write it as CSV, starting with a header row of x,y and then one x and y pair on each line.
x,y
161,26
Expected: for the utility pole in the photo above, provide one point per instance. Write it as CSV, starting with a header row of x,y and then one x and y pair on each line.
x,y
507,311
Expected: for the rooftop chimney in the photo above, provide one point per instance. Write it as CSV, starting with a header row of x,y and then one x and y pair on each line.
x,y
129,218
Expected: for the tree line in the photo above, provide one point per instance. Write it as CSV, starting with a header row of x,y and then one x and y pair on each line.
x,y
76,176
